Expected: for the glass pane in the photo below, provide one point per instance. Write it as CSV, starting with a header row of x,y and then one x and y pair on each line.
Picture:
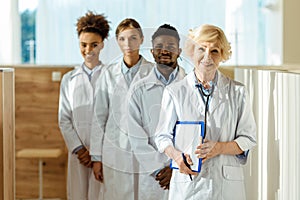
x,y
49,32
27,9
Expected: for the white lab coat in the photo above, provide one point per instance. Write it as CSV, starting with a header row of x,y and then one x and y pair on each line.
x,y
229,118
109,135
144,101
75,118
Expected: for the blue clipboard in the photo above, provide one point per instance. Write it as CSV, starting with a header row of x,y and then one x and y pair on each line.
x,y
187,135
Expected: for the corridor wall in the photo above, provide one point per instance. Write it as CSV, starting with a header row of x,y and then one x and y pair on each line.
x,y
274,168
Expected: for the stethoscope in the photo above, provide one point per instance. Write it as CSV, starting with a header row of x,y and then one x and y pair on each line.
x,y
206,102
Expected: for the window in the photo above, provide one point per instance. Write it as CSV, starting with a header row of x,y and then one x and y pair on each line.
x,y
50,37
27,10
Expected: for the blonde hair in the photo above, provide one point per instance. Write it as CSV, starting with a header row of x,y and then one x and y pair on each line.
x,y
208,33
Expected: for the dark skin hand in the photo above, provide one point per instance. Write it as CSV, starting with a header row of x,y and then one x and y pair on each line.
x,y
164,177
84,157
98,171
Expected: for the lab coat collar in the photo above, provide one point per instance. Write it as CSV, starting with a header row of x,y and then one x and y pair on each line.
x,y
125,69
181,74
142,72
219,93
221,84
153,81
119,64
79,70
223,81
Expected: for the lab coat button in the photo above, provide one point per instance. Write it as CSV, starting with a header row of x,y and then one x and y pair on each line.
x,y
226,176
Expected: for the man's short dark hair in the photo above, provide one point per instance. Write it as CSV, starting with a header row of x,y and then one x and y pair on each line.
x,y
166,29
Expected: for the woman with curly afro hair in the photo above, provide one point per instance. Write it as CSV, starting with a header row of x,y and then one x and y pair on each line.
x,y
76,107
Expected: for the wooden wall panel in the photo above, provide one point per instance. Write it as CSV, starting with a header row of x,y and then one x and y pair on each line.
x,y
1,140
37,127
7,135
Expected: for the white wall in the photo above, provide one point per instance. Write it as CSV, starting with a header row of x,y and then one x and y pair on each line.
x,y
273,172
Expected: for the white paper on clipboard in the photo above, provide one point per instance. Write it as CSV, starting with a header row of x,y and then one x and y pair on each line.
x,y
187,136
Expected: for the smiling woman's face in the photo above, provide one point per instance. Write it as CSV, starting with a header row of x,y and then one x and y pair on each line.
x,y
90,47
207,56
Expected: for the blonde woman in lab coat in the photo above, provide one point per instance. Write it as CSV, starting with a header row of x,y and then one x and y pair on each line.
x,y
76,107
230,127
110,147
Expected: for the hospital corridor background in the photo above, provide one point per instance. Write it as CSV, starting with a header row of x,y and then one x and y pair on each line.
x,y
39,44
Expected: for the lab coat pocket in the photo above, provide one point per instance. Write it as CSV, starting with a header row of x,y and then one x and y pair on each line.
x,y
233,183
180,177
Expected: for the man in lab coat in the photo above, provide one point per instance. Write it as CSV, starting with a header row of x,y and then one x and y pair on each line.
x,y
144,107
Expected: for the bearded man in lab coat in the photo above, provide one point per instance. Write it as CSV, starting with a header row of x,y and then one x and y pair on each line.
x,y
144,101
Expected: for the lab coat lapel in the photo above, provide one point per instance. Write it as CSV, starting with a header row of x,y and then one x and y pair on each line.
x,y
81,89
121,81
195,98
152,80
181,74
220,93
143,71
78,70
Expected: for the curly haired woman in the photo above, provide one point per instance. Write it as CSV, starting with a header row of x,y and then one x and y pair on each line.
x,y
76,107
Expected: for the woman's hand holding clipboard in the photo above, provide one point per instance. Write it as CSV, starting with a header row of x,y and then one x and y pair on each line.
x,y
186,141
